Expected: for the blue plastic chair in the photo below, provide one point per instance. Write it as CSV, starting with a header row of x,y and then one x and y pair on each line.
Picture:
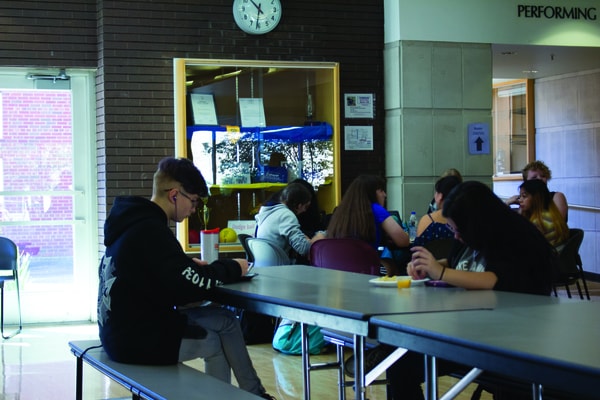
x,y
9,262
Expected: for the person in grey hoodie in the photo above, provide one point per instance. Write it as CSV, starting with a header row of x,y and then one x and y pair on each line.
x,y
279,224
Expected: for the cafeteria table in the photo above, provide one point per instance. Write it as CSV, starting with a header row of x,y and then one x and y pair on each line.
x,y
339,300
549,342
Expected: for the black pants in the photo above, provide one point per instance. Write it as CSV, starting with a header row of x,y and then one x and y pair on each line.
x,y
408,373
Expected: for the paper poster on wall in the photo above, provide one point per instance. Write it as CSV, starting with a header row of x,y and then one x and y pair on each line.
x,y
479,138
358,138
252,112
203,109
247,227
358,105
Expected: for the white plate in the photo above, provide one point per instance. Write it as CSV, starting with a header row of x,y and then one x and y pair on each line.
x,y
389,282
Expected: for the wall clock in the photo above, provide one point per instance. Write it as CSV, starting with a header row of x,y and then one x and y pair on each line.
x,y
257,17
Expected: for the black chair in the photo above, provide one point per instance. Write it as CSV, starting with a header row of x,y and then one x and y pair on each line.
x,y
242,238
9,263
570,265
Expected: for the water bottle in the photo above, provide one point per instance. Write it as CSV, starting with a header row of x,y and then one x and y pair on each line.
x,y
412,226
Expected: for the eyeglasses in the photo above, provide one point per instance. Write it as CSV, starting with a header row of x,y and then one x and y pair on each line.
x,y
194,202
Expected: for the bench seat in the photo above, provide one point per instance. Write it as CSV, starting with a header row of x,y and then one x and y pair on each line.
x,y
153,381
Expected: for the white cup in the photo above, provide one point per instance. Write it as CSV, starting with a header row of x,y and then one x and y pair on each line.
x,y
209,245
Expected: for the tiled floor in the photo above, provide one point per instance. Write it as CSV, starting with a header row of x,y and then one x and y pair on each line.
x,y
37,364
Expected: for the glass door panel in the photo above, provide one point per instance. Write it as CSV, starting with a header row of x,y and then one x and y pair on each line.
x,y
47,199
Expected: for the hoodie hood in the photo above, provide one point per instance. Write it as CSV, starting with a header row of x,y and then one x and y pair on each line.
x,y
126,212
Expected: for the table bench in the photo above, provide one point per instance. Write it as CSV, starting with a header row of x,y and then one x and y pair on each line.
x,y
171,382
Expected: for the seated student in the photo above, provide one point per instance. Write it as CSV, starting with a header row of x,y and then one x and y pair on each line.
x,y
433,225
449,172
502,251
535,204
361,215
538,170
311,221
279,222
148,285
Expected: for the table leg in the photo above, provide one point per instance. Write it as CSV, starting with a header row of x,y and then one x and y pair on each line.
x,y
341,378
431,391
359,367
537,391
79,379
305,361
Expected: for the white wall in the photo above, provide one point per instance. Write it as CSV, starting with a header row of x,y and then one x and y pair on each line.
x,y
567,107
568,140
488,21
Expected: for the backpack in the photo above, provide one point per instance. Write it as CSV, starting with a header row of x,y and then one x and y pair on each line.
x,y
257,328
288,338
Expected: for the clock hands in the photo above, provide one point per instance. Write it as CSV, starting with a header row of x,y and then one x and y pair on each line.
x,y
252,18
258,7
259,11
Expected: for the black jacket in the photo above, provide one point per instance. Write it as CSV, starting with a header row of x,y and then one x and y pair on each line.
x,y
144,276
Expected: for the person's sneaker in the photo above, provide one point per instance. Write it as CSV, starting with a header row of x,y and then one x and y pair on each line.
x,y
267,396
372,358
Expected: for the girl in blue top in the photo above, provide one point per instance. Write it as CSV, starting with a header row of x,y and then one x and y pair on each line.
x,y
361,214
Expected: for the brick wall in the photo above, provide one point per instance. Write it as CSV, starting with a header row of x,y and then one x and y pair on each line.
x,y
48,33
134,47
36,152
138,48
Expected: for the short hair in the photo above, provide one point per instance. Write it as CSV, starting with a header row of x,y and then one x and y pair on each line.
x,y
452,172
537,165
179,170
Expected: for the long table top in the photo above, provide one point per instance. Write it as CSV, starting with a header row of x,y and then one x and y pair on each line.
x,y
340,300
539,339
554,344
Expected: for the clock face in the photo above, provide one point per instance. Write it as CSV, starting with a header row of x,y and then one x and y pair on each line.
x,y
257,16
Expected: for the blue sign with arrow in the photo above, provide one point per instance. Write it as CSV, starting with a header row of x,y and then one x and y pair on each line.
x,y
479,138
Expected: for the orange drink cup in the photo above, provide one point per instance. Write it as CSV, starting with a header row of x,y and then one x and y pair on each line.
x,y
403,283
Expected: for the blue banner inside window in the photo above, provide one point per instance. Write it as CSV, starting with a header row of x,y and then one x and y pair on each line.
x,y
290,134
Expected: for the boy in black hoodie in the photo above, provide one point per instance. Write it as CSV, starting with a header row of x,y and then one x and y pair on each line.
x,y
146,281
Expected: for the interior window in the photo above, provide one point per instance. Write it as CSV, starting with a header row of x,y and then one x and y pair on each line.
x,y
513,120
